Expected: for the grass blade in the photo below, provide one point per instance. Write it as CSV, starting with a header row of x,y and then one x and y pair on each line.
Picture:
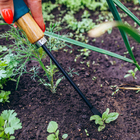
x,y
93,48
121,6
4,24
132,32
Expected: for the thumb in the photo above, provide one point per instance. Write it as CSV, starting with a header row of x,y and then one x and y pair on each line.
x,y
7,10
36,11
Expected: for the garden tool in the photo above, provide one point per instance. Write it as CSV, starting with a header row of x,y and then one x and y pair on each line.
x,y
35,35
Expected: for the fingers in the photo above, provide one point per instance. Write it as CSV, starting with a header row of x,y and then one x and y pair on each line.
x,y
36,10
7,10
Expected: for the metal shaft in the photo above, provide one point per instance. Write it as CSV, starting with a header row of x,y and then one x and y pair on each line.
x,y
93,109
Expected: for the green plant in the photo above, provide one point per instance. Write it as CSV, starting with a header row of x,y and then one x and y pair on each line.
x,y
94,78
8,124
131,73
86,132
86,14
47,7
51,70
7,65
84,52
76,5
4,96
134,1
132,32
25,52
78,26
116,89
53,129
106,118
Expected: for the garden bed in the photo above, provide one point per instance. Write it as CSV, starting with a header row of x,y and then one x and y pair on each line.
x,y
36,106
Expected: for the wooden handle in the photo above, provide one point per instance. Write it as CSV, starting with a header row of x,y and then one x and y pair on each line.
x,y
30,27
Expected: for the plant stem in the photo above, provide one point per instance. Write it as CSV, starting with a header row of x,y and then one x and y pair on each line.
x,y
43,67
52,83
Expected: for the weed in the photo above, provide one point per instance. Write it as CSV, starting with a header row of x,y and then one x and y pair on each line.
x,y
86,132
25,52
132,48
116,89
53,129
132,73
85,52
94,78
106,118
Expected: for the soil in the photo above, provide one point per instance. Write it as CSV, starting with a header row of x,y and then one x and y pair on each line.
x,y
36,106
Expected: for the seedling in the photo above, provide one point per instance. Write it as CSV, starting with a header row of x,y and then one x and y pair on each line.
x,y
86,132
8,124
86,14
51,70
94,78
116,89
88,63
106,118
132,73
85,52
53,129
132,48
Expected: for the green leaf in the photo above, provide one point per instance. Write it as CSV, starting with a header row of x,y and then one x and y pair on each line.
x,y
124,29
99,121
12,138
15,124
12,123
1,128
136,69
58,81
127,75
64,136
1,121
4,48
4,96
8,114
127,11
51,137
68,40
130,71
1,133
2,74
1,100
111,117
105,114
101,127
52,127
94,117
9,130
57,133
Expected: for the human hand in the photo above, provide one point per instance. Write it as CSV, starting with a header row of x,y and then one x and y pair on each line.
x,y
7,11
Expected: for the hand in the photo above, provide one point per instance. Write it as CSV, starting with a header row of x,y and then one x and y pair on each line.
x,y
7,11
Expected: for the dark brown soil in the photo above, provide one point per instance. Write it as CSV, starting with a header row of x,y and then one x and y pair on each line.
x,y
36,106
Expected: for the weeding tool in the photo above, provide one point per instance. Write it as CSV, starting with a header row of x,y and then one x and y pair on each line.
x,y
35,35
